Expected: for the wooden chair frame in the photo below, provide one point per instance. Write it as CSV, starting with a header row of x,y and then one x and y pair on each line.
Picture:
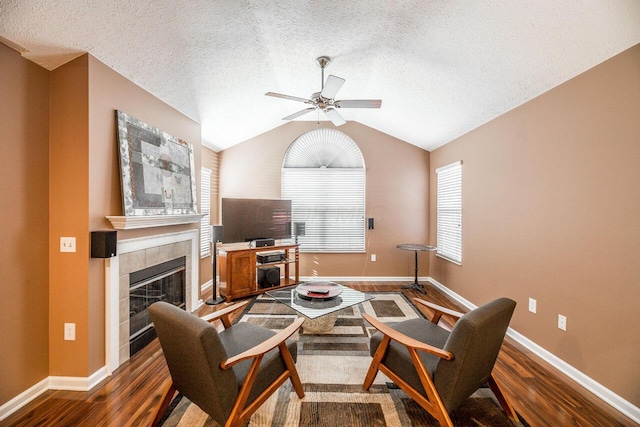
x,y
432,402
241,412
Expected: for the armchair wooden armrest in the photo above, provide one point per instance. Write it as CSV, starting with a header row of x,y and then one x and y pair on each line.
x,y
223,314
405,340
256,353
265,346
439,310
476,350
195,353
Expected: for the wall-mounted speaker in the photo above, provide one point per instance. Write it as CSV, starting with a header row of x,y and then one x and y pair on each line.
x,y
103,243
298,228
370,223
268,277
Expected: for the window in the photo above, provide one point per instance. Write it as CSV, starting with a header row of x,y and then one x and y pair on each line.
x,y
449,212
205,208
324,177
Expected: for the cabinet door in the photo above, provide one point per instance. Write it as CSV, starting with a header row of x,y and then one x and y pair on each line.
x,y
243,273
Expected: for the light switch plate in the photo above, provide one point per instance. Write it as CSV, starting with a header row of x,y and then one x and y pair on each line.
x,y
562,322
67,244
69,331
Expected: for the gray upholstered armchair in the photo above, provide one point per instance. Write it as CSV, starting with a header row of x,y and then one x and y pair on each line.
x,y
441,369
230,373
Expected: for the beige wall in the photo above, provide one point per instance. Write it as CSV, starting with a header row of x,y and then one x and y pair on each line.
x,y
396,196
551,210
24,224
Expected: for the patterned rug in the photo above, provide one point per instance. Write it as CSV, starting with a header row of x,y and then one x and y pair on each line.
x,y
332,367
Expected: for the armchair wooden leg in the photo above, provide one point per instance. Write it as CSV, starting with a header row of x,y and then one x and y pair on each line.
x,y
291,367
238,410
506,406
375,363
167,397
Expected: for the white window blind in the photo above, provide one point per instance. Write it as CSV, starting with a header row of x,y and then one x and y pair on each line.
x,y
331,203
205,208
449,211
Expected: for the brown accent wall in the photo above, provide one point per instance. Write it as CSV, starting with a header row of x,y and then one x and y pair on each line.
x,y
61,176
68,207
85,187
551,209
24,224
396,195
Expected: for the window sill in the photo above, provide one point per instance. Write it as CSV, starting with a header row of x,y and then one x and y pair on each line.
x,y
449,259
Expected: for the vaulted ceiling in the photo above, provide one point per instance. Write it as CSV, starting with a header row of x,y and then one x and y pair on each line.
x,y
441,68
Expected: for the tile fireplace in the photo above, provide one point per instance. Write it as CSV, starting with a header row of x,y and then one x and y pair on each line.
x,y
137,257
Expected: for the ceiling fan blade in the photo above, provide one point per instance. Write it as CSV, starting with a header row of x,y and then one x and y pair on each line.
x,y
332,86
335,117
358,103
292,98
299,113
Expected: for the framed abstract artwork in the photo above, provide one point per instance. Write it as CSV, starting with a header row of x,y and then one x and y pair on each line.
x,y
157,170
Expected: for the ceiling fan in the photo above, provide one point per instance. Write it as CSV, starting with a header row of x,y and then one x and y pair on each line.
x,y
325,99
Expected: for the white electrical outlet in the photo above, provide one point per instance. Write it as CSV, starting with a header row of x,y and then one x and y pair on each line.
x,y
373,257
533,305
69,331
67,244
562,322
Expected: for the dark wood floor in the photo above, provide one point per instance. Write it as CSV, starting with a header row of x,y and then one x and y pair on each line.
x,y
128,398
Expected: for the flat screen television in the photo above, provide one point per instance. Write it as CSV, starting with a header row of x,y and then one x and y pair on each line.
x,y
244,220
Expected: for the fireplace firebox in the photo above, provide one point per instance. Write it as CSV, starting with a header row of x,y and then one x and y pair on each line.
x,y
161,282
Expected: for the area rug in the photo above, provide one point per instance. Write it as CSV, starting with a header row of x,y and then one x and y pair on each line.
x,y
332,367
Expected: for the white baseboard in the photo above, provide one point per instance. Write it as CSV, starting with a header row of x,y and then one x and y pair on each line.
x,y
363,278
23,398
608,396
78,383
52,383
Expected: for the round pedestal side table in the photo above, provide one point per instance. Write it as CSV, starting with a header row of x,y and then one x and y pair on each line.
x,y
415,247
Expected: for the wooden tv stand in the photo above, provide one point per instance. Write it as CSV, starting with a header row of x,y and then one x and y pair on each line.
x,y
238,268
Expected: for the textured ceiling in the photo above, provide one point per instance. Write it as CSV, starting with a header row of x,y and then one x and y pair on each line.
x,y
441,68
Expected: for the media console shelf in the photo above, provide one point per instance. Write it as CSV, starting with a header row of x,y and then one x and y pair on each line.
x,y
238,267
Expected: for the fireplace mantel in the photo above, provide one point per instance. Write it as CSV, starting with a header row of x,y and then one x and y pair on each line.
x,y
148,221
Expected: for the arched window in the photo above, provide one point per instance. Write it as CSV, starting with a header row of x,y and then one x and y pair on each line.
x,y
323,175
